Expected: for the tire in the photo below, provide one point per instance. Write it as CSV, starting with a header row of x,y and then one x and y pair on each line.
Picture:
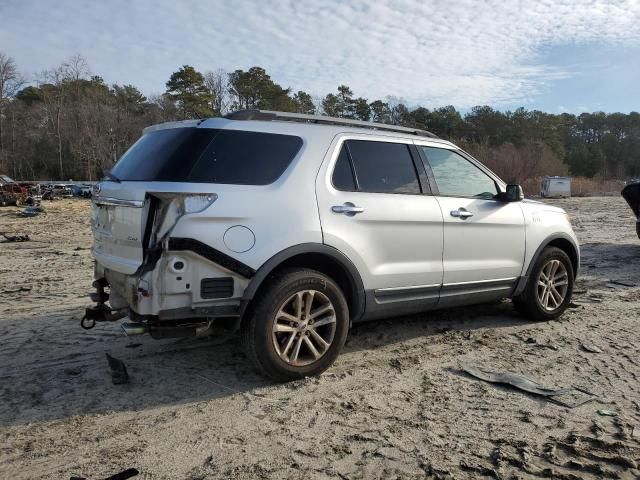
x,y
531,303
278,329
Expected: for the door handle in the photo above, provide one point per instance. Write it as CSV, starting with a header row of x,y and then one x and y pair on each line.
x,y
461,213
349,209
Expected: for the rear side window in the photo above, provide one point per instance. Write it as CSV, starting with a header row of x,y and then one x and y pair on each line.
x,y
381,167
203,155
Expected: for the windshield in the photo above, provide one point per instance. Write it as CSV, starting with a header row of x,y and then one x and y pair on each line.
x,y
206,155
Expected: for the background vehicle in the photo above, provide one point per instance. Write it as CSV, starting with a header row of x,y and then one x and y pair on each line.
x,y
11,193
292,227
62,190
85,191
555,187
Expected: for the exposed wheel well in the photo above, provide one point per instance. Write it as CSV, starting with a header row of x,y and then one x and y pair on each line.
x,y
567,247
324,264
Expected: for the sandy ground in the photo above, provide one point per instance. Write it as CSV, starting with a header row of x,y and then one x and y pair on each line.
x,y
395,405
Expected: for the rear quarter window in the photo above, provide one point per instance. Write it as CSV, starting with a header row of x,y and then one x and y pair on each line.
x,y
202,155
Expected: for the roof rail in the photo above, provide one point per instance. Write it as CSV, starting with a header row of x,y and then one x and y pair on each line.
x,y
267,115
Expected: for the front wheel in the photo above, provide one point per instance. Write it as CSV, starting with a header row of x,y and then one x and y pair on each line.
x,y
297,325
549,288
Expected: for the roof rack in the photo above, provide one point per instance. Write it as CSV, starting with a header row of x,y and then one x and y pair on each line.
x,y
267,115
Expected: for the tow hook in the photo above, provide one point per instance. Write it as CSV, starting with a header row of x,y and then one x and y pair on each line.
x,y
100,312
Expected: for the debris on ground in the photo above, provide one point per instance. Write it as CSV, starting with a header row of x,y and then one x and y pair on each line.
x,y
533,341
17,290
588,347
124,475
573,396
31,211
589,299
621,283
119,373
15,238
607,413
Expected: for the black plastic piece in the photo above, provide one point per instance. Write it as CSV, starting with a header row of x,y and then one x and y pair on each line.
x,y
216,287
216,256
119,373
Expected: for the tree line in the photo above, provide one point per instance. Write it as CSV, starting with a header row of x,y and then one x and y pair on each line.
x,y
67,123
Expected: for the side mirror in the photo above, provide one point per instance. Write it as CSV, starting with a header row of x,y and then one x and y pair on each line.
x,y
513,193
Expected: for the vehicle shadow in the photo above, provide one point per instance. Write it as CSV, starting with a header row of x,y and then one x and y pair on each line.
x,y
51,369
435,324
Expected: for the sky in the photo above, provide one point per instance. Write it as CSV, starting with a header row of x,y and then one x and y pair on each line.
x,y
556,56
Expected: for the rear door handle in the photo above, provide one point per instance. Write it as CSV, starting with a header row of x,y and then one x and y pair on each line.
x,y
348,209
461,213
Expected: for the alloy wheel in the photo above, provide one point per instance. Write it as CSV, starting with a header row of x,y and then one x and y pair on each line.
x,y
553,284
304,328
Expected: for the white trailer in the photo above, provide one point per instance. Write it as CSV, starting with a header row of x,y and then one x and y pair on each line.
x,y
555,187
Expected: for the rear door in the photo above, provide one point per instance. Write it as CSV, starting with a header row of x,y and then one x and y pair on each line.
x,y
374,208
484,239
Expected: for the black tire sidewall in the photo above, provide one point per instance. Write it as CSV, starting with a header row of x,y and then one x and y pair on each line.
x,y
284,286
533,304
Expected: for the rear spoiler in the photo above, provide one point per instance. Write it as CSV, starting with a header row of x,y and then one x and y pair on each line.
x,y
168,125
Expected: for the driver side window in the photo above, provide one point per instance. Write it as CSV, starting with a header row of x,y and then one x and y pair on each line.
x,y
456,176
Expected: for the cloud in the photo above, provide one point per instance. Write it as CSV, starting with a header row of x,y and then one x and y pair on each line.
x,y
432,52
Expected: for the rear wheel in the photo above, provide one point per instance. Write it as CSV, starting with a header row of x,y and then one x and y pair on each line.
x,y
297,326
549,288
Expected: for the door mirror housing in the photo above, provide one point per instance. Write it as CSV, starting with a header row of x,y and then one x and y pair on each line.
x,y
513,193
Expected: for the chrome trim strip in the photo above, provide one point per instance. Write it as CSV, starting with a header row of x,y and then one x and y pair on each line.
x,y
117,202
480,282
413,287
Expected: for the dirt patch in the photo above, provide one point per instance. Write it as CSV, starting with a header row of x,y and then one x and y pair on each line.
x,y
395,405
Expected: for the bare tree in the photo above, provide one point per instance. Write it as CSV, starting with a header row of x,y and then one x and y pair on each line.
x,y
10,79
166,107
10,82
54,92
218,85
76,68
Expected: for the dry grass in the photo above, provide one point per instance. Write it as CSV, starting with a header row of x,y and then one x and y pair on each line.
x,y
580,186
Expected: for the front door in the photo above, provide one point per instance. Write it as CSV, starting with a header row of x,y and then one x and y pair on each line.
x,y
484,239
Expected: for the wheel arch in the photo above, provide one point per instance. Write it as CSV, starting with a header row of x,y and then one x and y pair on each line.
x,y
563,242
325,259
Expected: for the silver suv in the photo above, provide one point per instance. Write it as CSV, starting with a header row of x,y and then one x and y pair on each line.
x,y
292,227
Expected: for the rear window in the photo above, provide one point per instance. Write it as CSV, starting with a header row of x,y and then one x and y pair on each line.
x,y
204,155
